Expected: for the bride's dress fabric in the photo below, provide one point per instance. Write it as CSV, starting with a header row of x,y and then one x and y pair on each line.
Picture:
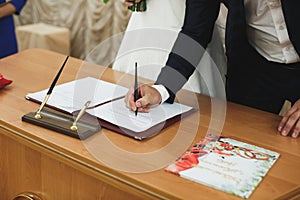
x,y
149,38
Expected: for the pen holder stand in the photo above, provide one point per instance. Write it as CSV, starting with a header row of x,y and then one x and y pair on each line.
x,y
61,123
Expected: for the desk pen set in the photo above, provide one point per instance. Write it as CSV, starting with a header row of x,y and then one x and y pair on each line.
x,y
70,125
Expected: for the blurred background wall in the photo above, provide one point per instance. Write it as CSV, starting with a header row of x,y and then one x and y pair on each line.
x,y
90,22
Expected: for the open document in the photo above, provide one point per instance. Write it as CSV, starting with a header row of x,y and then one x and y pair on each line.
x,y
116,113
71,96
107,104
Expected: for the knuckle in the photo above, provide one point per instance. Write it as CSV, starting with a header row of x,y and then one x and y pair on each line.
x,y
294,117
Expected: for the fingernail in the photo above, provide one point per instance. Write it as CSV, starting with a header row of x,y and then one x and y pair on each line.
x,y
295,134
284,132
279,128
138,104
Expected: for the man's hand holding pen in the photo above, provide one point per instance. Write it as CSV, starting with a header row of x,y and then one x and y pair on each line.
x,y
141,98
149,97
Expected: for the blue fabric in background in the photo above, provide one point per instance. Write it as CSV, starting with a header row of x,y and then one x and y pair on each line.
x,y
8,41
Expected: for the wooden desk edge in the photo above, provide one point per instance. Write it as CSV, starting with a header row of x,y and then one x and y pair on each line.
x,y
294,194
84,165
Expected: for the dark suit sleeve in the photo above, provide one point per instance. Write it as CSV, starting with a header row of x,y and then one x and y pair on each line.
x,y
196,33
292,15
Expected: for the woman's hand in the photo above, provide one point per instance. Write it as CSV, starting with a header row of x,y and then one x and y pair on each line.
x,y
130,2
7,9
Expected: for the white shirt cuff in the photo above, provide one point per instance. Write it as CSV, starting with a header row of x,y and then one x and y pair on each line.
x,y
162,91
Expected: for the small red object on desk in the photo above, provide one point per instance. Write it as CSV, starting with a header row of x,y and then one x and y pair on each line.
x,y
4,82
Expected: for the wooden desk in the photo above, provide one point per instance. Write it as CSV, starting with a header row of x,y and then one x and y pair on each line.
x,y
55,166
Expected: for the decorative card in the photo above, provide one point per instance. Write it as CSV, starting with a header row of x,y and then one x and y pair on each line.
x,y
226,164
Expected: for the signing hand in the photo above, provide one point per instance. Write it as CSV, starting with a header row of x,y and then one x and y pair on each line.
x,y
149,97
290,123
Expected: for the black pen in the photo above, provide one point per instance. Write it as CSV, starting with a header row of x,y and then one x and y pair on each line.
x,y
136,89
38,115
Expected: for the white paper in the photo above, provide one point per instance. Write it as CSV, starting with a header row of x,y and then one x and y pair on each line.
x,y
116,113
73,95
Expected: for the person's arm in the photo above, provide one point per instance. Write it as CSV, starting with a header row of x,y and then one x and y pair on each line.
x,y
196,33
12,7
290,123
7,9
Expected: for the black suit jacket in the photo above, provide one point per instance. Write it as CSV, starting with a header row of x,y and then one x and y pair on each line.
x,y
197,31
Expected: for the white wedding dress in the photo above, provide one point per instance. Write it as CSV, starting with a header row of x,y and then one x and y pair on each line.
x,y
149,38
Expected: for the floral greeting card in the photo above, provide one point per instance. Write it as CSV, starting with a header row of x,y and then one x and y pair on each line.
x,y
228,165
